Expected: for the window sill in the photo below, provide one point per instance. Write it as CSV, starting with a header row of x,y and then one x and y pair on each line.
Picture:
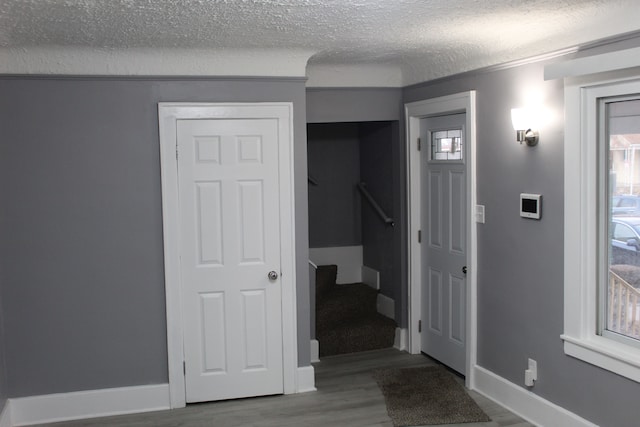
x,y
606,354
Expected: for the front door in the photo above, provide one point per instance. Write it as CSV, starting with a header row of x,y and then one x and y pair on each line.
x,y
230,257
444,252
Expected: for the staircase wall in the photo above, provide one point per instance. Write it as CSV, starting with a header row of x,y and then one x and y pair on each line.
x,y
334,163
380,251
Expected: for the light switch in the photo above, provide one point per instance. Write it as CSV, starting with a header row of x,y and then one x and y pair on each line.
x,y
480,214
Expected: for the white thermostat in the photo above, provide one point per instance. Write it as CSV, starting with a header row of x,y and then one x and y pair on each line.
x,y
530,205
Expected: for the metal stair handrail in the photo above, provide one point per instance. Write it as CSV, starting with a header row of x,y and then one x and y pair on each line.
x,y
385,218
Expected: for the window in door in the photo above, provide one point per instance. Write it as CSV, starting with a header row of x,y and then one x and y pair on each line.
x,y
446,145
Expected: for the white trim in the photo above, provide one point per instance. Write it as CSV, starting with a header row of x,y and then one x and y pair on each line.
x,y
5,416
612,61
524,403
88,404
400,340
347,258
85,61
315,351
461,102
306,379
371,277
581,223
169,114
386,306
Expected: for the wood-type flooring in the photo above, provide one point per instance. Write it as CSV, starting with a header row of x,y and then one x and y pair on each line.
x,y
347,396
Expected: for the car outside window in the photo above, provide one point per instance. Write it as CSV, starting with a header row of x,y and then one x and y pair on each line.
x,y
622,233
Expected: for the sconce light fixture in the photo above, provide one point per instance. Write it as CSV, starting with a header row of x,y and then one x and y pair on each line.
x,y
523,121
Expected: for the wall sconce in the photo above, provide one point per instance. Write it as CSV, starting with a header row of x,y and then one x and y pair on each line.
x,y
523,121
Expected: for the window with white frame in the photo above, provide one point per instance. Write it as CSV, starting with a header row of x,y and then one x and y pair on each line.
x,y
619,286
602,221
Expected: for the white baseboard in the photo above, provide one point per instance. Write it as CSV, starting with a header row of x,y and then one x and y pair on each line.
x,y
400,341
315,351
5,416
386,306
306,379
88,404
347,258
371,277
524,403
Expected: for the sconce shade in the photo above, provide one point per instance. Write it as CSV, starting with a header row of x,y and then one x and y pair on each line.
x,y
519,119
523,121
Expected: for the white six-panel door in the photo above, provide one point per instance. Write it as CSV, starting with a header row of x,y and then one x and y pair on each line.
x,y
444,246
230,242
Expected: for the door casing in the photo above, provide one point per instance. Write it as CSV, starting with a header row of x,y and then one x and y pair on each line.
x,y
168,115
464,102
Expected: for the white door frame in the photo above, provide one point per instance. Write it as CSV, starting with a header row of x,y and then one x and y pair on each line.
x,y
464,102
169,114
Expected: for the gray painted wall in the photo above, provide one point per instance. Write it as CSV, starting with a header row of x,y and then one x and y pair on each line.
x,y
334,204
83,280
312,303
377,140
331,105
4,390
520,261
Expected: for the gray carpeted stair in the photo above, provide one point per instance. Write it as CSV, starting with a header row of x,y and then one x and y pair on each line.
x,y
347,320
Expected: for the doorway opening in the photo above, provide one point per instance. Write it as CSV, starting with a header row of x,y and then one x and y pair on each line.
x,y
353,241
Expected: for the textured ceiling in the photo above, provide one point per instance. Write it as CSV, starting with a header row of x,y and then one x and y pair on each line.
x,y
421,39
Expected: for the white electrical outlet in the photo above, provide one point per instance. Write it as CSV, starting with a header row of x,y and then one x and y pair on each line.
x,y
531,373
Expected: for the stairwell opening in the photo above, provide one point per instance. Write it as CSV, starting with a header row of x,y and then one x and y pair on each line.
x,y
357,252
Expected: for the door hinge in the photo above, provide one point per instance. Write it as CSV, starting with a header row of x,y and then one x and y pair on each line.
x,y
184,367
176,152
419,144
419,325
419,236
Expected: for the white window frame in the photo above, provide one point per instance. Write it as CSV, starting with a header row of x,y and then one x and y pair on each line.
x,y
582,215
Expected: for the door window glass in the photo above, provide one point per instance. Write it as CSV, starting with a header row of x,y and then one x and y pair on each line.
x,y
446,144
